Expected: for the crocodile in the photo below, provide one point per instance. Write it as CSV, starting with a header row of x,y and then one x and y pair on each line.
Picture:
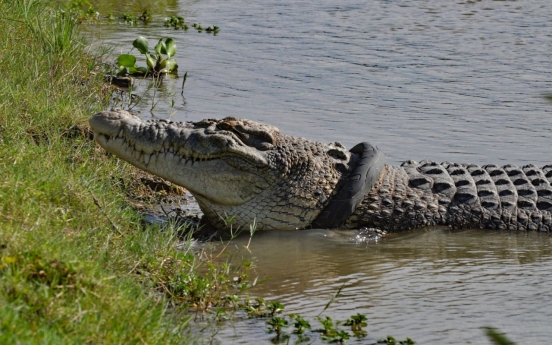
x,y
242,172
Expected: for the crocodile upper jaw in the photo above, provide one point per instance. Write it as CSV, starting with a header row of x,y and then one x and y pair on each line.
x,y
181,154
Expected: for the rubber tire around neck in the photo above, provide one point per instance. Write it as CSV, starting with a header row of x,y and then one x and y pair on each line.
x,y
361,180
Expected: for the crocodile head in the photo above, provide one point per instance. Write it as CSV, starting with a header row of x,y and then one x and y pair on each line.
x,y
235,168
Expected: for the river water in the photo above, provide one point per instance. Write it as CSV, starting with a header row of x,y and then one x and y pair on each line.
x,y
462,81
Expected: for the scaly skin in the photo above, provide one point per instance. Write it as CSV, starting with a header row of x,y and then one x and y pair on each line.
x,y
459,195
253,173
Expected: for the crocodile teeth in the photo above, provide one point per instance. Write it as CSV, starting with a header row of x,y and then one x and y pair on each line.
x,y
120,135
147,158
136,154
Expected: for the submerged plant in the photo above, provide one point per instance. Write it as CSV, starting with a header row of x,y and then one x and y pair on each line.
x,y
157,63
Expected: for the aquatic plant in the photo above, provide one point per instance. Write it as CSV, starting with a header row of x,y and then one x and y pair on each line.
x,y
157,63
275,308
131,19
176,22
357,322
330,331
389,340
300,324
214,29
81,9
276,324
210,29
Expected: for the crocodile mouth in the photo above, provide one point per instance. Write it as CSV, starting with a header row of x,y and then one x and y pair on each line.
x,y
141,156
192,160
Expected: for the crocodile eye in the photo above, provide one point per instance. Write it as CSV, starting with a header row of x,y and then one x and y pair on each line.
x,y
258,138
225,126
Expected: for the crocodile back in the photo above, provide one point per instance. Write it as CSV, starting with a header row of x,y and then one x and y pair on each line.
x,y
459,195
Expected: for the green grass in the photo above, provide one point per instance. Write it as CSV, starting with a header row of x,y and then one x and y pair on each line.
x,y
77,265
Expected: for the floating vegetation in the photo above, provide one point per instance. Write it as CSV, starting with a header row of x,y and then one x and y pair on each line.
x,y
331,331
214,29
158,63
389,340
84,11
210,29
131,19
176,22
80,9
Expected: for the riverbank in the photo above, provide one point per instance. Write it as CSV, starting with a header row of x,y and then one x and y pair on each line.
x,y
77,263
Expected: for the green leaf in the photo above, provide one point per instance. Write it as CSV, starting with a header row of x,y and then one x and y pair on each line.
x,y
126,60
161,48
168,65
122,71
171,47
141,43
141,70
150,60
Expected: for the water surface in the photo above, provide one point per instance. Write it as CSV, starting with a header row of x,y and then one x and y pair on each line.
x,y
435,285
